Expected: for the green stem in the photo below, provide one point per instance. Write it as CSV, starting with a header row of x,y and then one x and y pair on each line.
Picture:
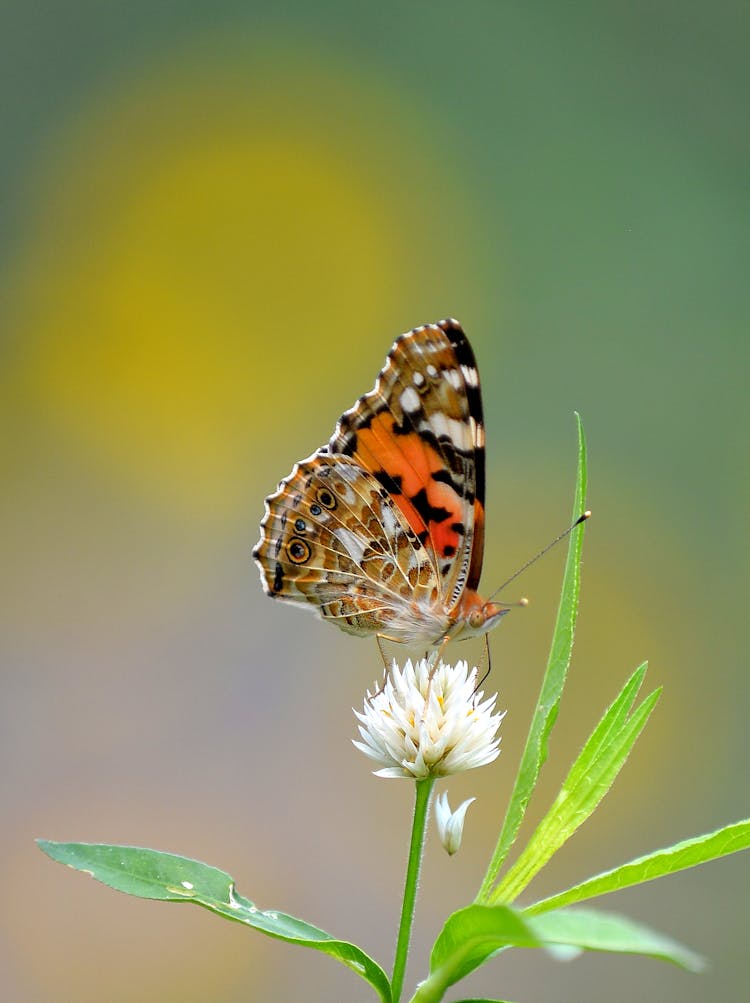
x,y
419,823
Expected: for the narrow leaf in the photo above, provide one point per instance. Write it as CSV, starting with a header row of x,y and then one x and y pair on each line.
x,y
170,878
599,931
608,728
535,751
689,853
589,779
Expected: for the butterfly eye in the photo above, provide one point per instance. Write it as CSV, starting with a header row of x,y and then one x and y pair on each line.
x,y
297,550
325,498
476,619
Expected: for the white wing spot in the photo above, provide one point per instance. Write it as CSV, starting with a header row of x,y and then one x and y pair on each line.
x,y
348,472
389,521
452,428
418,380
431,371
470,375
410,400
454,378
352,544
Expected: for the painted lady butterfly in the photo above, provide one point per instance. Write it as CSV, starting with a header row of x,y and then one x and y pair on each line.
x,y
382,530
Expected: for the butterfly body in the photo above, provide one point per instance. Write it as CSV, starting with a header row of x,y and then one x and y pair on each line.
x,y
382,529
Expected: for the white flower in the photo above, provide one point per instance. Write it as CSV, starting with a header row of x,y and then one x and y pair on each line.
x,y
450,824
429,721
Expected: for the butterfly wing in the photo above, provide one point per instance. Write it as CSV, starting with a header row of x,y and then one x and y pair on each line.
x,y
420,434
332,536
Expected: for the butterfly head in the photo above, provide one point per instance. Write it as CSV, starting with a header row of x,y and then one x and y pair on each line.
x,y
478,617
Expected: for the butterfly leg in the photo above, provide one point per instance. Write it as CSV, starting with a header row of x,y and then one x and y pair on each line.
x,y
379,639
437,653
489,662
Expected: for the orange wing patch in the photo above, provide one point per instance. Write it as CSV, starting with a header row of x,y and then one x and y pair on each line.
x,y
410,466
420,432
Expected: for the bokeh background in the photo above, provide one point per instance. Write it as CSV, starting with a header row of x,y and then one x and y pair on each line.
x,y
214,220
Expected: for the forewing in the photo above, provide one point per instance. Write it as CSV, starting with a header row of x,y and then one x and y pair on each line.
x,y
420,433
332,536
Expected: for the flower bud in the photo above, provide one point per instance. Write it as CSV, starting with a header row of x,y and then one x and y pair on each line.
x,y
450,824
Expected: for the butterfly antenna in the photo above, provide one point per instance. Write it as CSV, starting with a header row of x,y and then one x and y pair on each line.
x,y
581,518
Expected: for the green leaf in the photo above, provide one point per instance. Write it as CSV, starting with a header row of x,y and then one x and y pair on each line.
x,y
607,730
689,853
165,876
473,935
469,937
599,931
589,779
535,751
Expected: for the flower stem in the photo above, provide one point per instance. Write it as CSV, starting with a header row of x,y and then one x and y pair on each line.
x,y
421,808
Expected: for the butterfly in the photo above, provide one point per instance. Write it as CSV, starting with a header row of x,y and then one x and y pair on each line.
x,y
381,531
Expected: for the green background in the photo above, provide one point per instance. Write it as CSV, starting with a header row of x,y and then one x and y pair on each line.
x,y
214,220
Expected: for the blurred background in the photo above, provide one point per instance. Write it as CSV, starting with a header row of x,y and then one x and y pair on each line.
x,y
214,220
